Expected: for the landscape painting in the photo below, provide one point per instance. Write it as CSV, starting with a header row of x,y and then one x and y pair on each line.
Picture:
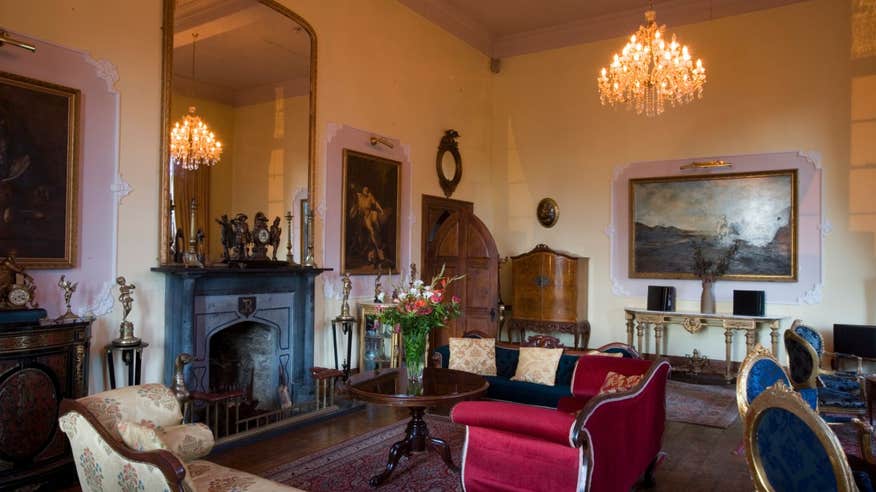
x,y
371,201
38,171
757,212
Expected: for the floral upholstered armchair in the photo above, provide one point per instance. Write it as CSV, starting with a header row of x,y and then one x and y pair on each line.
x,y
133,439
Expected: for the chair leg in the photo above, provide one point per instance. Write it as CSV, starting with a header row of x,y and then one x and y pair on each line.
x,y
648,480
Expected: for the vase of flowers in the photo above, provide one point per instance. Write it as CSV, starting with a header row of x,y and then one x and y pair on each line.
x,y
418,310
708,270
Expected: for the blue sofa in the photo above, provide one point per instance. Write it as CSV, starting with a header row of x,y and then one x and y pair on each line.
x,y
503,388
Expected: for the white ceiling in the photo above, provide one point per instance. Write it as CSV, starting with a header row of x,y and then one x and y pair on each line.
x,y
501,28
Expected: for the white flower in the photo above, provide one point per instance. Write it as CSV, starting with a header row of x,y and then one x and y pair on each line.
x,y
427,288
380,296
414,291
402,296
418,283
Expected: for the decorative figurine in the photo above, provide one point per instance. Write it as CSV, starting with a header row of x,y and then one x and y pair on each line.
x,y
202,245
413,275
17,288
179,378
179,250
126,329
378,288
69,288
226,235
242,237
345,304
275,234
261,237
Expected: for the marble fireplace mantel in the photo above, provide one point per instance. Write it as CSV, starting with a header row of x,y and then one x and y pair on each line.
x,y
200,302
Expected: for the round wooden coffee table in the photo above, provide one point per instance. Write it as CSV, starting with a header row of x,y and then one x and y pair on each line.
x,y
440,387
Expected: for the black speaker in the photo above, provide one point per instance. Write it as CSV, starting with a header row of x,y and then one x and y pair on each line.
x,y
749,302
661,298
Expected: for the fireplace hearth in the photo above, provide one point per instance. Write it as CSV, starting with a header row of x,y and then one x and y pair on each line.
x,y
246,328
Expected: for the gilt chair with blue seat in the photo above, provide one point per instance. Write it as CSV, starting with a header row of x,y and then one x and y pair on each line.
x,y
790,448
839,380
838,393
759,371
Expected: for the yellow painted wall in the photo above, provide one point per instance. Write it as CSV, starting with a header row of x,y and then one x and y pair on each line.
x,y
381,68
778,80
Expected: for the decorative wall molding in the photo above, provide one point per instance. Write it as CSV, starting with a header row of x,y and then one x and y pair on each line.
x,y
812,228
340,137
105,70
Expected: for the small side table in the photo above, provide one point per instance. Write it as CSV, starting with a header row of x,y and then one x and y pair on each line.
x,y
132,357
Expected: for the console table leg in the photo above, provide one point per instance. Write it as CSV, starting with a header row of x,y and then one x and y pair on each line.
x,y
774,339
658,339
629,329
749,341
640,329
728,341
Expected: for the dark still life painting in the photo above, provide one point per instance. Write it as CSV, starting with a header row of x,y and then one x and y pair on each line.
x,y
38,171
371,201
756,212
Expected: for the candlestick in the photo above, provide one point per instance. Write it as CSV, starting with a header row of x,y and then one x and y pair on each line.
x,y
308,258
290,258
190,259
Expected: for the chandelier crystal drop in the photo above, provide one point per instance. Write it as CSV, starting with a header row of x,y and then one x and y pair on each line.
x,y
651,71
192,144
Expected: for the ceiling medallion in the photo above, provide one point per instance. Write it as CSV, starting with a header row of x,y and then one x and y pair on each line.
x,y
650,71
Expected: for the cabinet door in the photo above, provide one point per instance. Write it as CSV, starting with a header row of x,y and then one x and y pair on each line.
x,y
29,399
559,295
528,281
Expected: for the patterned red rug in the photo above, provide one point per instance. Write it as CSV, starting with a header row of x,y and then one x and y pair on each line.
x,y
701,404
349,465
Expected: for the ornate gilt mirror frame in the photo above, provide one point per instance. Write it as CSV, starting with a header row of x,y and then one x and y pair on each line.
x,y
449,144
166,93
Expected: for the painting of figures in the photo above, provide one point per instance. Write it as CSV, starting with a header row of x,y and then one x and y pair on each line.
x,y
755,212
38,171
371,201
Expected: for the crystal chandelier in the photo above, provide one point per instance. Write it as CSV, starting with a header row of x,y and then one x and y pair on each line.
x,y
650,71
192,144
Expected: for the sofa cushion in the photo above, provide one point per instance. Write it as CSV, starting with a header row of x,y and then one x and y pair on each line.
x,y
475,355
187,441
615,383
506,361
523,392
212,477
538,365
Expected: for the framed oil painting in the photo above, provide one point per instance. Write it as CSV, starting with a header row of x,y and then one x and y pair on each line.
x,y
370,211
757,212
38,171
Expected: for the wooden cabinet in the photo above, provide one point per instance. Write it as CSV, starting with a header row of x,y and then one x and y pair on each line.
x,y
41,363
550,294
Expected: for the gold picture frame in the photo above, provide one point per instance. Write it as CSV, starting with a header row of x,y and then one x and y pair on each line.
x,y
371,214
668,216
40,175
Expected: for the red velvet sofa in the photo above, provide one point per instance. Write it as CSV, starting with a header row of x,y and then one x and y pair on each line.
x,y
607,445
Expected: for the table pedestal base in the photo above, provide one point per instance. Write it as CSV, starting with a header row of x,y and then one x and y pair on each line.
x,y
416,440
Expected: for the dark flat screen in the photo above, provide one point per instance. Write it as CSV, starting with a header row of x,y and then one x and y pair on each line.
x,y
855,339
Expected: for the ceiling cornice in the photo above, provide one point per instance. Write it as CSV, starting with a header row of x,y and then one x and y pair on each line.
x,y
670,12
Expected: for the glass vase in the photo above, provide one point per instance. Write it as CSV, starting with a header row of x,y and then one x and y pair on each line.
x,y
415,357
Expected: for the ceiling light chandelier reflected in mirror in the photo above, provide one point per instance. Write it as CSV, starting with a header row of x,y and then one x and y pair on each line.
x,y
192,144
651,71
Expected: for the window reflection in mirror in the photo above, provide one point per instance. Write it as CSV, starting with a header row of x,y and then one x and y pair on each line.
x,y
245,67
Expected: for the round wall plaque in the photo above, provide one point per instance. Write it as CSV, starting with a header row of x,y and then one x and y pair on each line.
x,y
548,212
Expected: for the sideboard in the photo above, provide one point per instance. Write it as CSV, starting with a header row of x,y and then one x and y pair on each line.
x,y
41,363
641,320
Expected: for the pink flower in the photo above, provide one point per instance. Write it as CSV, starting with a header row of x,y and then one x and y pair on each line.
x,y
455,299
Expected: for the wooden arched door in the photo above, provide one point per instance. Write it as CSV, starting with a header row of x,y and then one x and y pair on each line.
x,y
464,245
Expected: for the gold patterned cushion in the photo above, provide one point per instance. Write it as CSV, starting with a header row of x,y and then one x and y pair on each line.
x,y
187,441
538,365
615,383
476,355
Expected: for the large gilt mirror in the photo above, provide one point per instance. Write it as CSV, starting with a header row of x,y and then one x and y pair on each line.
x,y
246,71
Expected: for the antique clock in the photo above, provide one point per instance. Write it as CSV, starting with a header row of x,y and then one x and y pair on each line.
x,y
261,237
17,289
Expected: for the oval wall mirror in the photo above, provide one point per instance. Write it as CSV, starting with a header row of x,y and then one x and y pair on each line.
x,y
448,162
247,70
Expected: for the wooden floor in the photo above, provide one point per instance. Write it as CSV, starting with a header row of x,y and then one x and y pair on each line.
x,y
699,458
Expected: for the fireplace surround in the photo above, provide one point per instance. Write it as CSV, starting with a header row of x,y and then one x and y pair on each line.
x,y
276,303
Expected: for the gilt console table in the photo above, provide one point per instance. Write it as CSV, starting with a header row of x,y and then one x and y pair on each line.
x,y
641,319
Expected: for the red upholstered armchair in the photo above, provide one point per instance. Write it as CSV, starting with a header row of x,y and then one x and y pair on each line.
x,y
608,445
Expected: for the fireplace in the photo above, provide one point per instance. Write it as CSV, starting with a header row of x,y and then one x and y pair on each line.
x,y
245,327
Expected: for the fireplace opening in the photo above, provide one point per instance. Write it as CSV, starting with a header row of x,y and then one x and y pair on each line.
x,y
244,357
